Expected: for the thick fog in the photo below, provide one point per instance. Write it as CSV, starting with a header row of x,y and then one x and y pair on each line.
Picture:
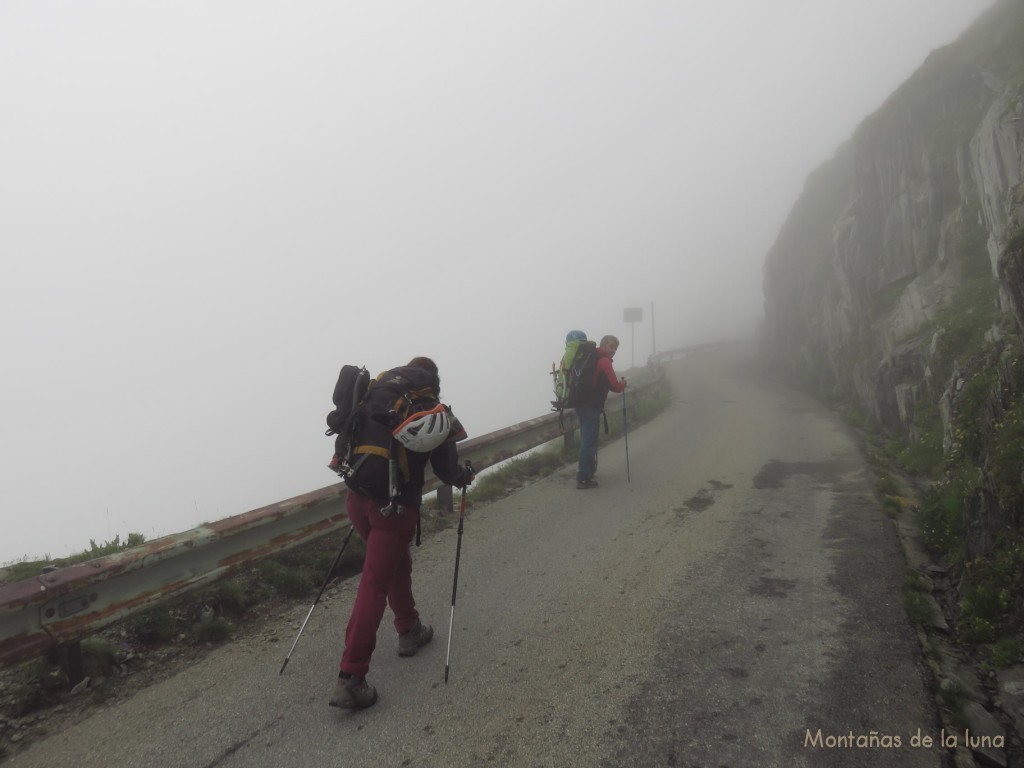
x,y
209,207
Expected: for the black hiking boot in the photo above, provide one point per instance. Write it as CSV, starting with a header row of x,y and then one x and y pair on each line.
x,y
587,483
415,639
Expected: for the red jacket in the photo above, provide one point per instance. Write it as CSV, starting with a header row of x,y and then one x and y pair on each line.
x,y
605,379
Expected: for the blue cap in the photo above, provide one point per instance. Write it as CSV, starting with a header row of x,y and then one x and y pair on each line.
x,y
575,336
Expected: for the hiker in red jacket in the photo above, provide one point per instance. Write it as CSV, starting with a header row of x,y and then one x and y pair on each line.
x,y
589,414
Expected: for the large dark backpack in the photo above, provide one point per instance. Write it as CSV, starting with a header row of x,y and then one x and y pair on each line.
x,y
574,378
378,464
349,392
582,375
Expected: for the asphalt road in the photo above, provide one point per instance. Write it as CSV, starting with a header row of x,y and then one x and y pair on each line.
x,y
736,603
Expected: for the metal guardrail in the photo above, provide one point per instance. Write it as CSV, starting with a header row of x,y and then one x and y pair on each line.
x,y
675,354
60,607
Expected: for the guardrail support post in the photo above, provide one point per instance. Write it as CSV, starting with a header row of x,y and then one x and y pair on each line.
x,y
445,498
569,430
69,658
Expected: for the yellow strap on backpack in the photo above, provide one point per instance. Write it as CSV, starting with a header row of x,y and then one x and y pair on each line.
x,y
376,450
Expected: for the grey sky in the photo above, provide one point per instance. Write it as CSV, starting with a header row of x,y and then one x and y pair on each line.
x,y
208,207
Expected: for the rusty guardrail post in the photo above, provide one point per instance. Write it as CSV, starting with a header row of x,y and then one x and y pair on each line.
x,y
446,498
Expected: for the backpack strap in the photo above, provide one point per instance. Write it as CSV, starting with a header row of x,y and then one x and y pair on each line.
x,y
374,450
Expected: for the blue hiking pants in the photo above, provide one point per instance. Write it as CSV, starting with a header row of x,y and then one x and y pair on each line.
x,y
589,418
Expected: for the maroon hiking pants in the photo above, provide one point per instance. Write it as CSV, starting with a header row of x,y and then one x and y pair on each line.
x,y
386,578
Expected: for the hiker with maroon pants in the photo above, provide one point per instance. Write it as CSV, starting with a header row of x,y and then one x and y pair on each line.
x,y
388,523
588,414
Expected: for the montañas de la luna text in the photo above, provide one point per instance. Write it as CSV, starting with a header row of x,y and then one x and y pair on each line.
x,y
878,740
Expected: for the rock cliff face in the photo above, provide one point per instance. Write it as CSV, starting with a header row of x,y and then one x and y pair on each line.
x,y
910,233
897,285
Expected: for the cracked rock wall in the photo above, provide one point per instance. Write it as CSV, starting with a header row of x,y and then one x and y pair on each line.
x,y
925,197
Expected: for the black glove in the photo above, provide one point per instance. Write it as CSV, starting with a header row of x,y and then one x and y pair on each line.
x,y
466,475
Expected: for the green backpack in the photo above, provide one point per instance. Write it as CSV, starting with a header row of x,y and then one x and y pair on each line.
x,y
573,378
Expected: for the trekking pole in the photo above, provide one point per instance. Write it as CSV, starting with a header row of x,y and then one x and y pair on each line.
x,y
329,572
625,432
455,581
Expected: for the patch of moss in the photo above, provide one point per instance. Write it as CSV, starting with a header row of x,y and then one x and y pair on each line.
x,y
917,606
1016,242
292,582
99,657
1006,461
1006,652
973,415
941,515
152,627
213,630
923,455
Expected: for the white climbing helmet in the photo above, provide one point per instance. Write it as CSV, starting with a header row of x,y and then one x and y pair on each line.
x,y
424,430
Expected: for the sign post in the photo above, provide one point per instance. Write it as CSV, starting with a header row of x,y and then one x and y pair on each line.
x,y
654,347
633,315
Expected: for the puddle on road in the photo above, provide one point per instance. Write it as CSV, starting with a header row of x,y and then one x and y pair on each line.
x,y
700,502
768,587
775,472
703,499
